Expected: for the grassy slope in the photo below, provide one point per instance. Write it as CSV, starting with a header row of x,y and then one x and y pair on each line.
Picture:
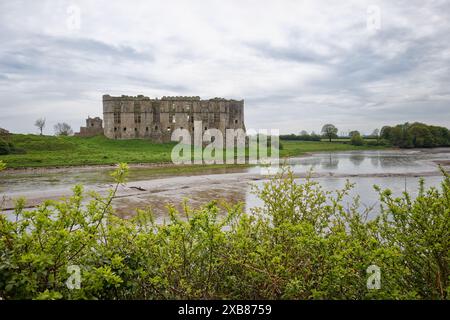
x,y
43,151
60,151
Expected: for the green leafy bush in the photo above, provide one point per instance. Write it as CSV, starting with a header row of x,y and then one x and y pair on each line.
x,y
4,147
7,147
301,137
357,140
380,142
302,243
416,135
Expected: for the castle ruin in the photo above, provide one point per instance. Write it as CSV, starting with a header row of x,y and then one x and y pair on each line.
x,y
94,126
140,117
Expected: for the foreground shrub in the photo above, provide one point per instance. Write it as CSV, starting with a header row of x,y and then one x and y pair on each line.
x,y
303,243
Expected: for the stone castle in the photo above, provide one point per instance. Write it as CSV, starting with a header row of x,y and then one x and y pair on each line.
x,y
94,126
140,117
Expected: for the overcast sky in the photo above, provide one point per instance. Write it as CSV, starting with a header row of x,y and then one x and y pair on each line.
x,y
297,64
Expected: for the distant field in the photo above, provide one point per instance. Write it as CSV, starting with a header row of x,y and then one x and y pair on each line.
x,y
49,151
295,148
347,139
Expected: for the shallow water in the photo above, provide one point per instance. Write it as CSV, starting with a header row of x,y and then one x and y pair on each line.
x,y
398,170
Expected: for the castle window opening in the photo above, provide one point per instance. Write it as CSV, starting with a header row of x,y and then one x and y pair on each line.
x,y
117,114
155,115
124,129
137,113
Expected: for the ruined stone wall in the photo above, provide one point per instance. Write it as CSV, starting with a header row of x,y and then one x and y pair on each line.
x,y
140,117
94,127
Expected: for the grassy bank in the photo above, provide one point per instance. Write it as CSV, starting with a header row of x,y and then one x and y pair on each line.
x,y
43,151
50,151
295,148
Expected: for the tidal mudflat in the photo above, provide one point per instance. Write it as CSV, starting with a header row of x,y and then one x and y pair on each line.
x,y
398,170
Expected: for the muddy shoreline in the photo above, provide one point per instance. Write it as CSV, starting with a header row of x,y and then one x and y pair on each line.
x,y
229,185
89,167
170,165
181,183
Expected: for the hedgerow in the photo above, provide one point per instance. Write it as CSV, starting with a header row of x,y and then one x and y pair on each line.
x,y
302,243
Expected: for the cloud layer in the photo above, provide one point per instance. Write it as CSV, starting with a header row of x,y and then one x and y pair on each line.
x,y
297,64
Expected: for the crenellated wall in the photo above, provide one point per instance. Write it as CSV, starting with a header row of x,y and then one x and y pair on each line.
x,y
140,117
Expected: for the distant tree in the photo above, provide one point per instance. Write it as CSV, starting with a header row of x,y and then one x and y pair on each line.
x,y
300,137
385,132
40,124
353,133
329,131
376,134
304,133
356,139
63,129
416,135
421,136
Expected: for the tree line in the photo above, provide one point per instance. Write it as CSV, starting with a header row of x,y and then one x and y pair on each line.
x,y
416,135
407,135
61,128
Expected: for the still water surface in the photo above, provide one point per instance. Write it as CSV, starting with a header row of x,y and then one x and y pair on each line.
x,y
398,170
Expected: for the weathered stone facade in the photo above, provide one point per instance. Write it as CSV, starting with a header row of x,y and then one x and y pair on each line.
x,y
140,117
4,132
94,127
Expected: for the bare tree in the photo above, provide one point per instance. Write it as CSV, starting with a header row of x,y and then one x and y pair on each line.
x,y
40,124
63,129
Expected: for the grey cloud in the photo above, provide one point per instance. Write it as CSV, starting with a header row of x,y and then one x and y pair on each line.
x,y
399,74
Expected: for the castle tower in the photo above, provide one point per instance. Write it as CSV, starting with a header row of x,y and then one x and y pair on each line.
x,y
94,127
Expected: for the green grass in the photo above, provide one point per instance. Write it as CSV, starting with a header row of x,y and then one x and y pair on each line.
x,y
50,151
43,151
296,148
346,139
